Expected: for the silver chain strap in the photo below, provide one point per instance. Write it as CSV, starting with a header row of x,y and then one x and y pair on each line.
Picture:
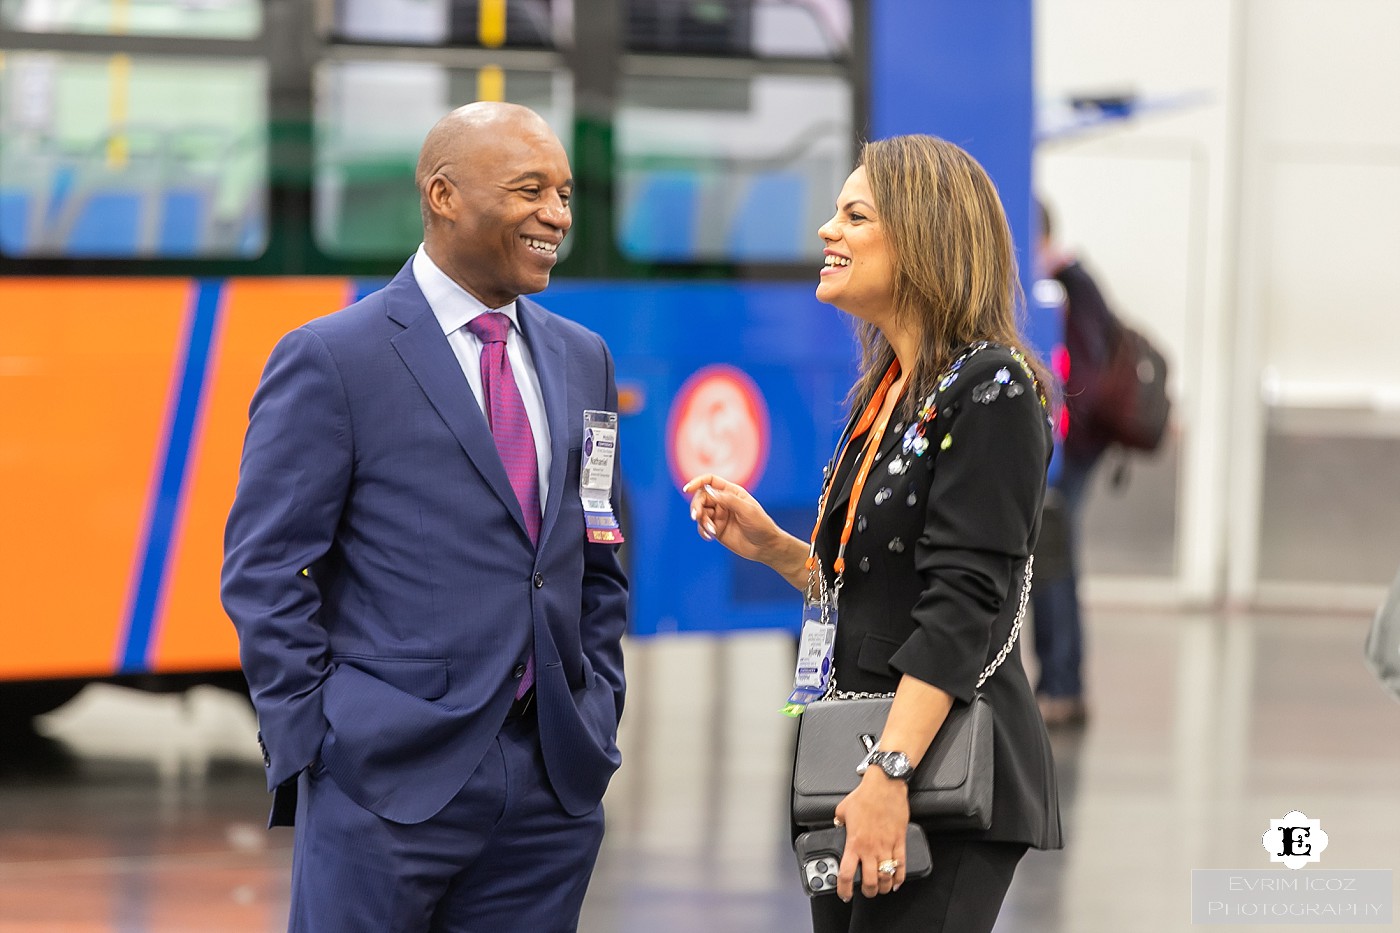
x,y
991,669
833,694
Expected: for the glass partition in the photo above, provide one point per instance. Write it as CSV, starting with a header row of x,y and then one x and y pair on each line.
x,y
729,169
530,24
819,29
123,156
371,117
209,19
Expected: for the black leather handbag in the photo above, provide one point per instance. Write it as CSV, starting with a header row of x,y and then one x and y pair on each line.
x,y
951,789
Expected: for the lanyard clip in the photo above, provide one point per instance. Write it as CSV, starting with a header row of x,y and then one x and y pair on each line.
x,y
839,564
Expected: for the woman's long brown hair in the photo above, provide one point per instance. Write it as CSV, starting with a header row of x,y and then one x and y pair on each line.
x,y
955,277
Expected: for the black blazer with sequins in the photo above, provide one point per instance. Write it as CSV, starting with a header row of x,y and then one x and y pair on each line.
x,y
936,562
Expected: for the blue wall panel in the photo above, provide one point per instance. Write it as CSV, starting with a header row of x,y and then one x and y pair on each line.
x,y
963,71
800,355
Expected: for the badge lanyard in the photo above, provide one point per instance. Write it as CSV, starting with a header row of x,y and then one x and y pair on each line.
x,y
819,606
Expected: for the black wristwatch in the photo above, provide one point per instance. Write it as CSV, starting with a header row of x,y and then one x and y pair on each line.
x,y
895,764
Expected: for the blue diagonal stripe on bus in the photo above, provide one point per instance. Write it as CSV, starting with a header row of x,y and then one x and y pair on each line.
x,y
360,288
163,510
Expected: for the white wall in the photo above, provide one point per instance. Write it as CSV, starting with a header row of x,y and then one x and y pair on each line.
x,y
1324,96
1255,233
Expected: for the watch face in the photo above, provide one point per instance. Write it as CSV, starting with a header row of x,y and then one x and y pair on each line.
x,y
896,765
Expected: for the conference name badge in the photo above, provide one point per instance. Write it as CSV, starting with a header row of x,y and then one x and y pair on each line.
x,y
596,477
815,649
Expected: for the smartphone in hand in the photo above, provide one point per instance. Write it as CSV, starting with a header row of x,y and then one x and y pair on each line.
x,y
819,857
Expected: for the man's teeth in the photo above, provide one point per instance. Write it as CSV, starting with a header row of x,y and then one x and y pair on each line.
x,y
541,245
837,261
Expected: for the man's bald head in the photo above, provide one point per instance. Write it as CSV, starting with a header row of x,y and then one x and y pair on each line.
x,y
452,139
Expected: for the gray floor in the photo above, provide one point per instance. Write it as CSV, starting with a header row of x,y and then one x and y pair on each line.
x,y
143,813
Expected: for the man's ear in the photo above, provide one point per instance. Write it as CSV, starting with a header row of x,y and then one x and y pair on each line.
x,y
441,196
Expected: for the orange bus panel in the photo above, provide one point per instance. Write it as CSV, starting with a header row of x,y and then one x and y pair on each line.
x,y
86,370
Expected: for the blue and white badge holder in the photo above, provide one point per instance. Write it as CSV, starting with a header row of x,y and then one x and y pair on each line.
x,y
817,645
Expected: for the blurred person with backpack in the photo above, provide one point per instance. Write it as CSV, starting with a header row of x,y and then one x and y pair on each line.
x,y
1114,384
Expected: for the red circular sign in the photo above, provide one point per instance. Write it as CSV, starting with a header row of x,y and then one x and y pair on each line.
x,y
718,424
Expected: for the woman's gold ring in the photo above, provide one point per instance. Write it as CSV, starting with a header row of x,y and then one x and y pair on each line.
x,y
888,867
838,822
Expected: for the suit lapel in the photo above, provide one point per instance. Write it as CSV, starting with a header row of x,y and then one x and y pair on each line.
x,y
425,351
551,366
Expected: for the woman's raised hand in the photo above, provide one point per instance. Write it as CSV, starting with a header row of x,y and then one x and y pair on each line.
x,y
725,512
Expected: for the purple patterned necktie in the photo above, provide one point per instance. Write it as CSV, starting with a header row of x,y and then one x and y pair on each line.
x,y
510,426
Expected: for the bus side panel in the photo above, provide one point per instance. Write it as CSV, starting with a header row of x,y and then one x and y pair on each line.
x,y
192,632
86,373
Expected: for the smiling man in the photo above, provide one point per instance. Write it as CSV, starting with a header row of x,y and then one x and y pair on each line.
x,y
430,628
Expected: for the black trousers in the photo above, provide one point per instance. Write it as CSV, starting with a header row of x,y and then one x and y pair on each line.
x,y
962,895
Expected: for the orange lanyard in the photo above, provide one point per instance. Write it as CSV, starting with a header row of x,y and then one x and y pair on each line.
x,y
872,446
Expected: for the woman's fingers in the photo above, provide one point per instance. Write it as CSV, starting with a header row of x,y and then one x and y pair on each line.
x,y
716,483
846,873
695,482
704,507
864,858
873,881
870,877
885,877
707,503
725,512
878,860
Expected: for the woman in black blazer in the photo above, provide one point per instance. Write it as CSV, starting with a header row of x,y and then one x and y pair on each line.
x,y
950,424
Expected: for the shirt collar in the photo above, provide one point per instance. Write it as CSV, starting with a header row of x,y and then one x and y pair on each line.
x,y
452,304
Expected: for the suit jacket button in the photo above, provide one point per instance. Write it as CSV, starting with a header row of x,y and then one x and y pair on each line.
x,y
519,671
539,580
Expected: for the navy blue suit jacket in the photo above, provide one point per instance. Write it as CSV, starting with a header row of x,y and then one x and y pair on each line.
x,y
379,574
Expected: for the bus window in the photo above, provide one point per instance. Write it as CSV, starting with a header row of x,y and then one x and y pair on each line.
x,y
371,117
729,169
227,19
818,29
125,156
531,24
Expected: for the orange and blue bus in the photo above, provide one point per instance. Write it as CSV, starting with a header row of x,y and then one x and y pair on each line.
x,y
182,183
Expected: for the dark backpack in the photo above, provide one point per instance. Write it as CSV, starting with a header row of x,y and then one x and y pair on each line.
x,y
1128,404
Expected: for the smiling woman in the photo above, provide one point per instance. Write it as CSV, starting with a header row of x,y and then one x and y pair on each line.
x,y
924,531
857,276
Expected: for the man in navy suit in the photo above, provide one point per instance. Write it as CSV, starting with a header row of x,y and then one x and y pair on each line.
x,y
431,631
